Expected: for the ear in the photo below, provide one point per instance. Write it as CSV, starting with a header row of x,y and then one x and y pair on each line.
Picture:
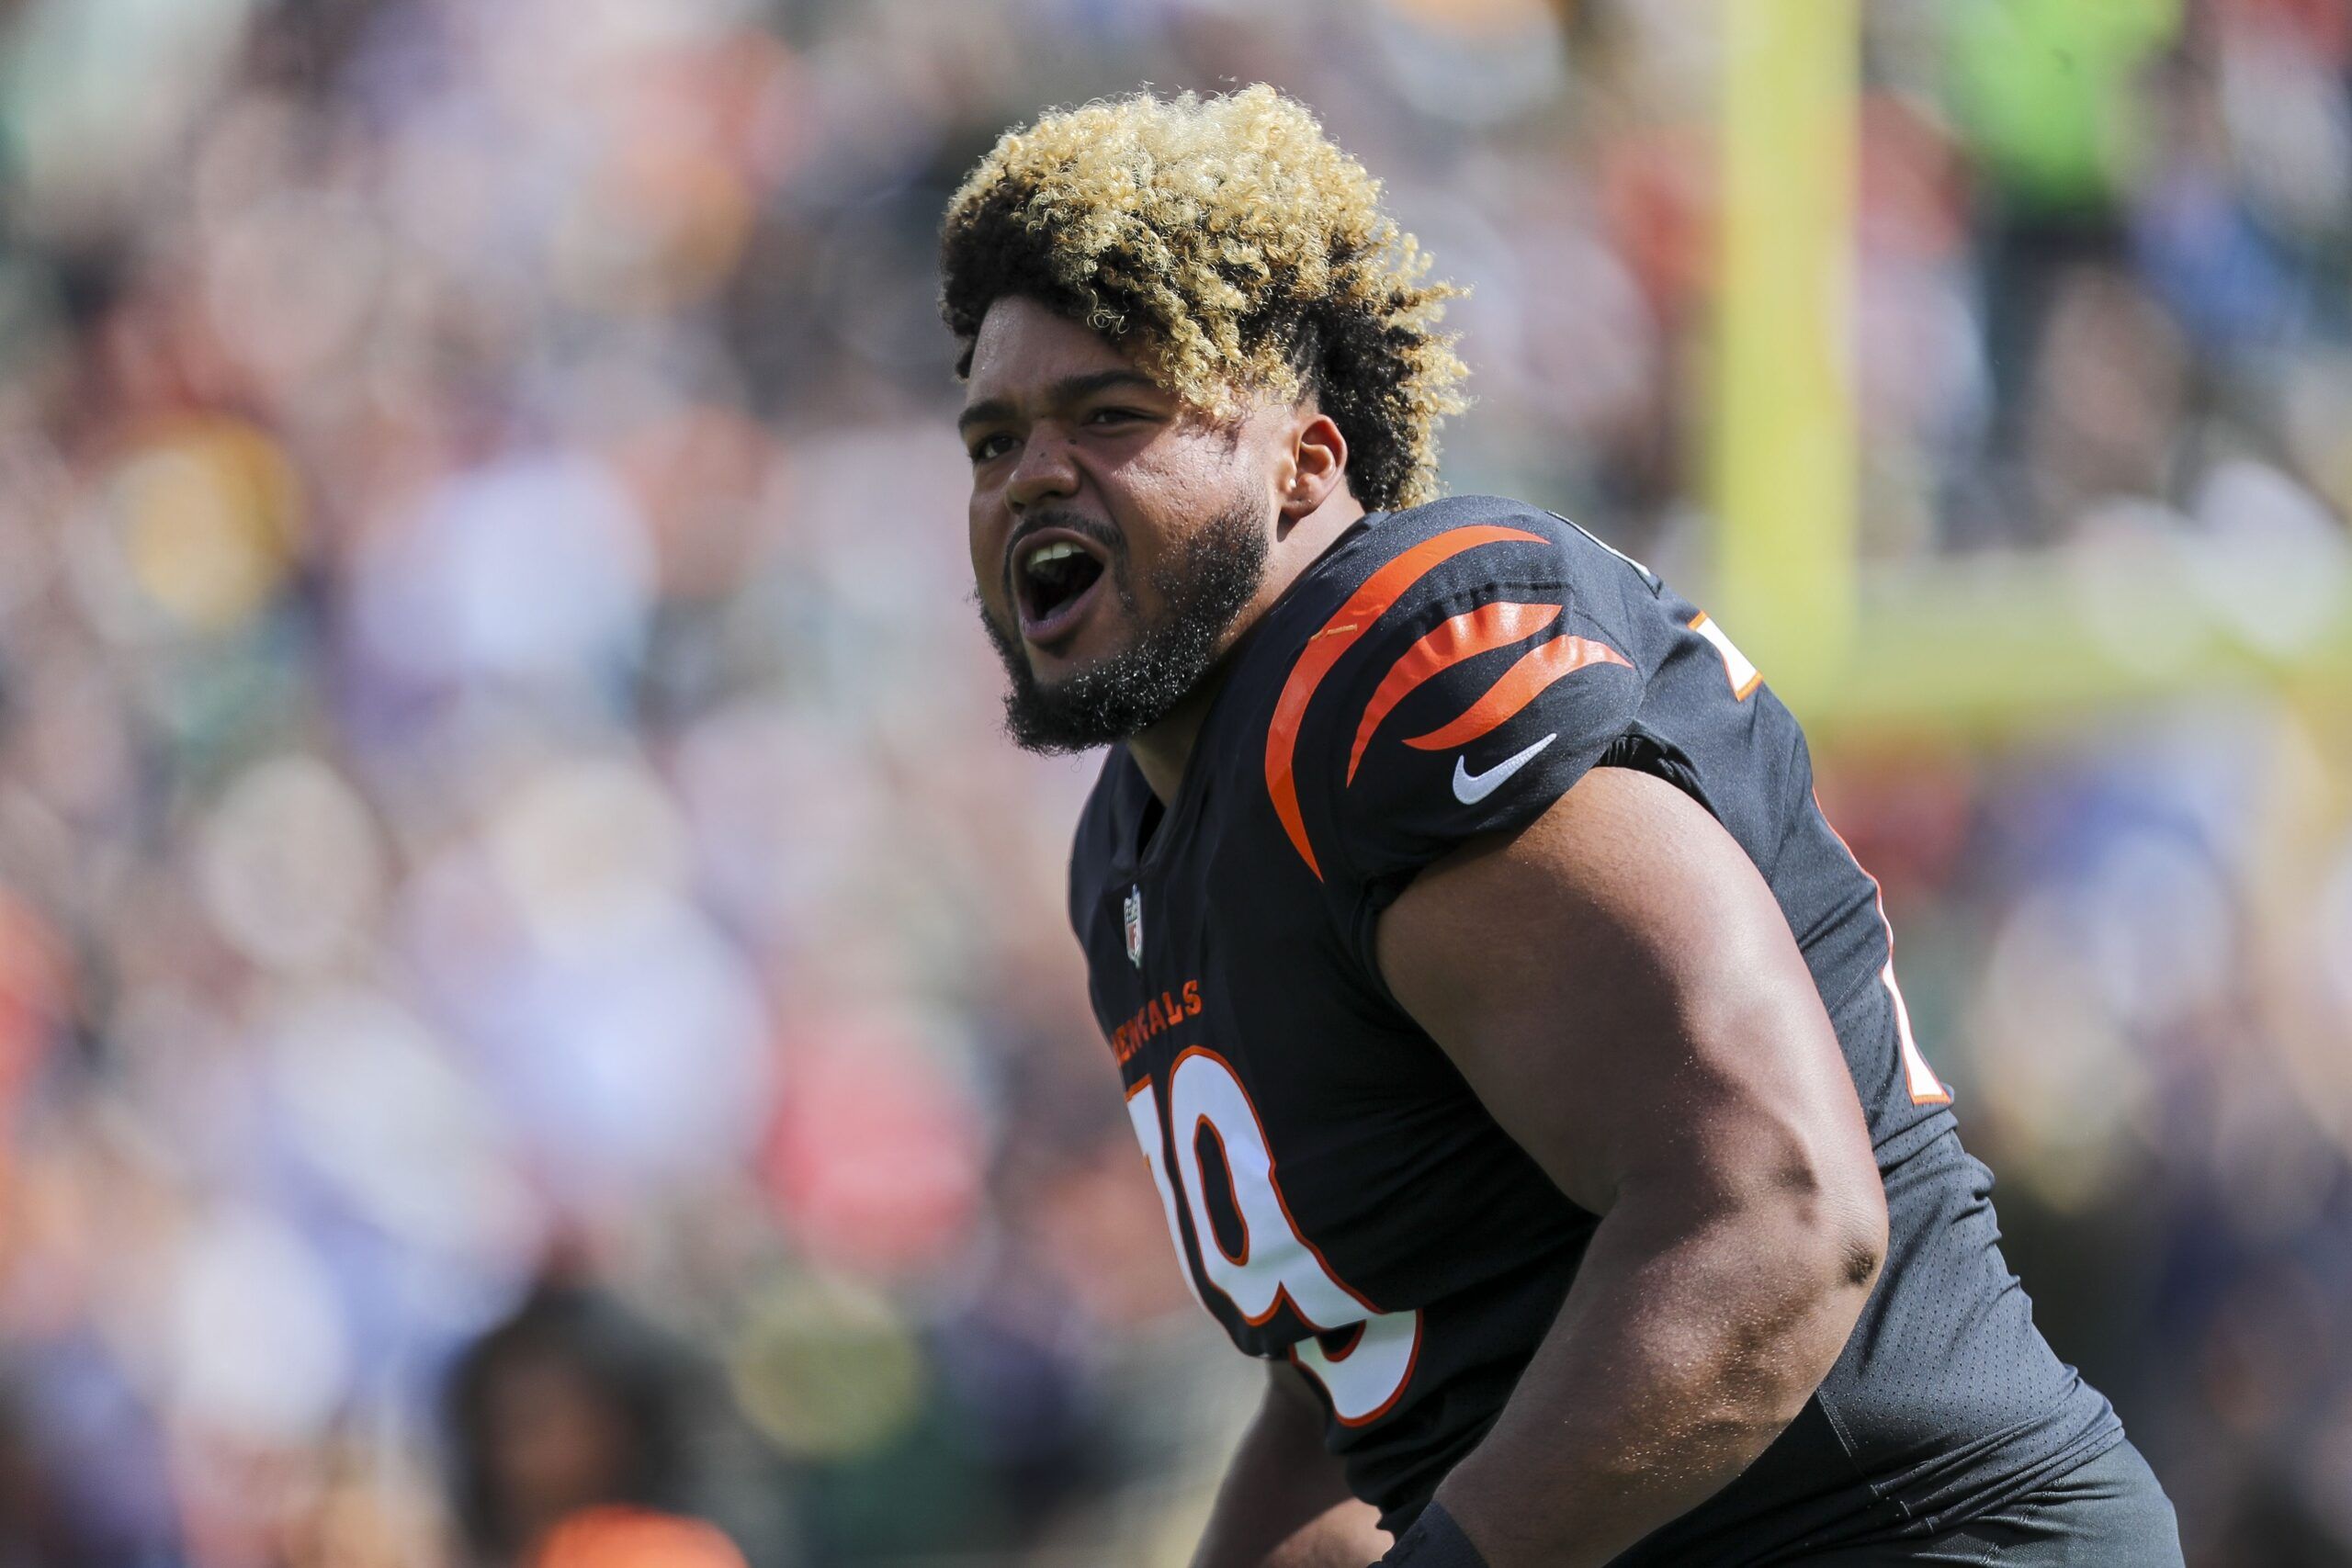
x,y
1317,463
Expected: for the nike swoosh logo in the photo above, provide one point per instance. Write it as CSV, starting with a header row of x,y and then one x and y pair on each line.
x,y
1470,788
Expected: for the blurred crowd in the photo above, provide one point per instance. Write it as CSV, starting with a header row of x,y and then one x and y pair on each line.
x,y
535,1020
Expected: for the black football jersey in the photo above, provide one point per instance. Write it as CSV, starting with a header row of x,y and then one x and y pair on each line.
x,y
1337,1195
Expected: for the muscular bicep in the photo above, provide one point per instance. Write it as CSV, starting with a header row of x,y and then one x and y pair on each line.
x,y
1619,987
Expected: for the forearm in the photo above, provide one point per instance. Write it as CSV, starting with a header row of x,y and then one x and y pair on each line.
x,y
1679,1354
1284,1502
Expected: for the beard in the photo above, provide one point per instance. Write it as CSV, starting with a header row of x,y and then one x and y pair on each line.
x,y
1203,586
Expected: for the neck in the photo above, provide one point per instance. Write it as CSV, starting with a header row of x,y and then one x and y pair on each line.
x,y
1164,751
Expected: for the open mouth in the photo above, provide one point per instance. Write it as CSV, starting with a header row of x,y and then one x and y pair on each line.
x,y
1055,576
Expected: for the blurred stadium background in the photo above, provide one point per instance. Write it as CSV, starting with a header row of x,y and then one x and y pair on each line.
x,y
531,991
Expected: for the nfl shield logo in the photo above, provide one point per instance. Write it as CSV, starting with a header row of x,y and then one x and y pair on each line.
x,y
1134,926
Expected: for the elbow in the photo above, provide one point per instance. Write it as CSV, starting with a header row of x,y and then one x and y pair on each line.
x,y
1814,1242
1850,1233
1834,1249
1830,1204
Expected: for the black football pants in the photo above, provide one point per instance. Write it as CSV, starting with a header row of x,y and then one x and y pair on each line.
x,y
2112,1513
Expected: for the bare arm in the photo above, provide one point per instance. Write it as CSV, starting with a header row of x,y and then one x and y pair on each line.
x,y
1621,990
1283,1503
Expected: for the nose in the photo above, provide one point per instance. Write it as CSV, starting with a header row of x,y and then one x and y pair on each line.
x,y
1045,471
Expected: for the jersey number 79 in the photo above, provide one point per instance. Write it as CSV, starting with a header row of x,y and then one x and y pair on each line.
x,y
1361,1356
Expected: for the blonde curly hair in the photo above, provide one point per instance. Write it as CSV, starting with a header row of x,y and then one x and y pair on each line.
x,y
1228,245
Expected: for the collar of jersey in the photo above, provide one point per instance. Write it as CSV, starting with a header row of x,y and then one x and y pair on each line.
x,y
1176,820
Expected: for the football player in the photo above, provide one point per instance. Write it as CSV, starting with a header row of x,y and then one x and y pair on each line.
x,y
1514,1048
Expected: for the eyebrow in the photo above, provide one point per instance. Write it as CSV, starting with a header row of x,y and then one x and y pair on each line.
x,y
1069,389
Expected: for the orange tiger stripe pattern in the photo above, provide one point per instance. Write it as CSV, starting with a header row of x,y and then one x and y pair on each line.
x,y
1323,650
1465,637
1519,685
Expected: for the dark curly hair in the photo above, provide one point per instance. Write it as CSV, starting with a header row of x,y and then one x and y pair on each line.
x,y
1230,247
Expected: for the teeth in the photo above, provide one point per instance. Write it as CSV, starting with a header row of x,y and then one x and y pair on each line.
x,y
1045,554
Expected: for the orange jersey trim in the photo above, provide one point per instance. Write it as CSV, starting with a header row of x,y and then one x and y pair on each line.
x,y
1906,1045
1465,637
1742,686
1324,648
1519,685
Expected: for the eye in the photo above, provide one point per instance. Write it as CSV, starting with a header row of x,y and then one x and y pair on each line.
x,y
1114,416
987,447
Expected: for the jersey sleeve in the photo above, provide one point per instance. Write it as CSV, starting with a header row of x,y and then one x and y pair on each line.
x,y
1460,710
